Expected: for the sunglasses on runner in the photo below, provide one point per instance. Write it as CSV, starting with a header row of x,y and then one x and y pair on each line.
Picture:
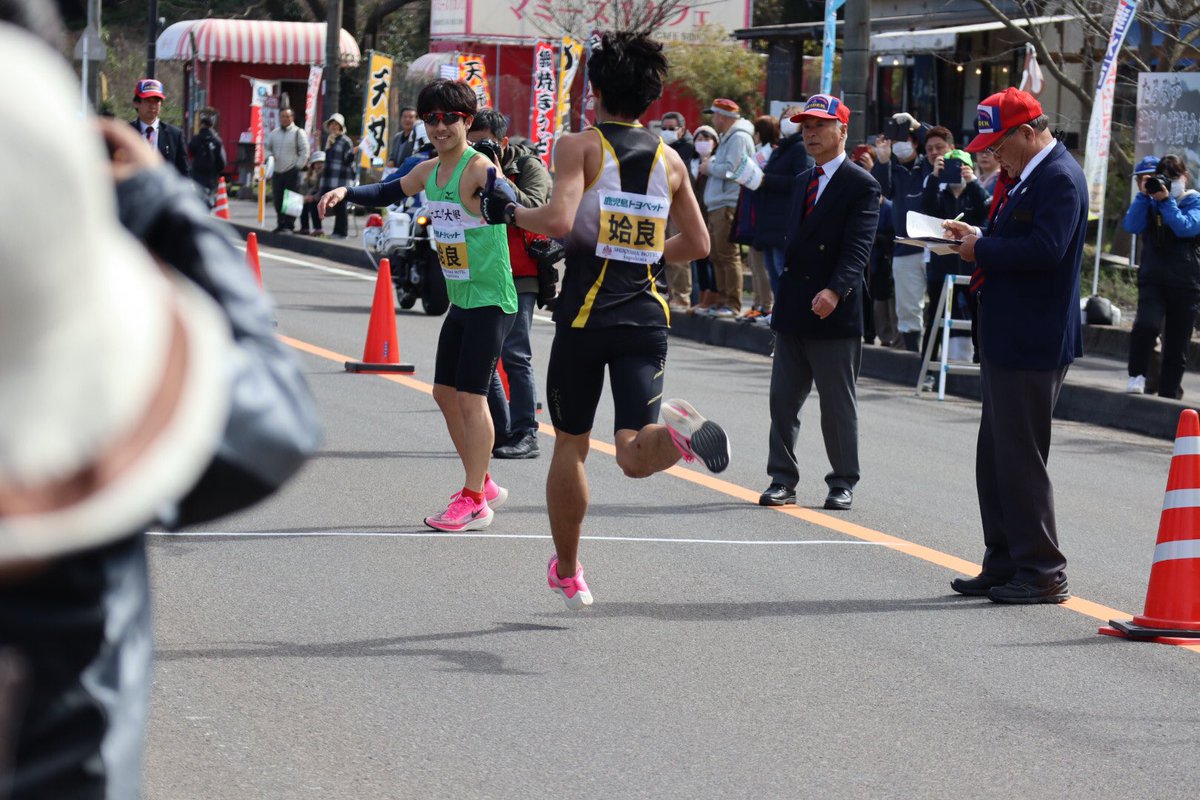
x,y
447,118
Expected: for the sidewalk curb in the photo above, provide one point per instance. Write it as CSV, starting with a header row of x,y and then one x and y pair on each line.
x,y
308,245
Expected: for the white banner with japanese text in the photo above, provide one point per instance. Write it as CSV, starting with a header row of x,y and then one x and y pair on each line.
x,y
1095,162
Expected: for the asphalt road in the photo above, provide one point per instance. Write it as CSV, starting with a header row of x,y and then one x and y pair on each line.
x,y
326,644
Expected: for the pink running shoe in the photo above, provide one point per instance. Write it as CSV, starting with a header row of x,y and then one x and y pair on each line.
x,y
494,493
574,590
463,514
695,436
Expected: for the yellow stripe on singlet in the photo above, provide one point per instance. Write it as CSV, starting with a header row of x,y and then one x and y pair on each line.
x,y
658,156
585,310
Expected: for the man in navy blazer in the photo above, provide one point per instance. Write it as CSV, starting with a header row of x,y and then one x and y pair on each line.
x,y
817,317
147,101
1027,268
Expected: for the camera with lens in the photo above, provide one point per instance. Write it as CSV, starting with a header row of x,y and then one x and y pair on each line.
x,y
547,253
490,148
1157,183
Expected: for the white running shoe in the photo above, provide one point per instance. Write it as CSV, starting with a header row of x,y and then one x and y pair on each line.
x,y
1136,385
695,436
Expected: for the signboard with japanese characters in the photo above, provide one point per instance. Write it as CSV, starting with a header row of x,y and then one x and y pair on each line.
x,y
569,56
1168,117
375,108
633,227
545,100
472,70
310,102
525,21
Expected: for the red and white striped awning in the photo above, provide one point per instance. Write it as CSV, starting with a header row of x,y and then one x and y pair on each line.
x,y
253,42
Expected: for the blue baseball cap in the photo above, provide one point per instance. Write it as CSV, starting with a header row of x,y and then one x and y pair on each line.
x,y
1147,166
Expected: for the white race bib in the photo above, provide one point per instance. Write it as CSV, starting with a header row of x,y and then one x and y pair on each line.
x,y
633,227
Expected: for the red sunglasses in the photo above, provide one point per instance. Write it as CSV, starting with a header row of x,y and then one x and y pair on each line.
x,y
448,118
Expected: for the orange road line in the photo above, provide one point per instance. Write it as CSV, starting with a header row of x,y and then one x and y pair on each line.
x,y
1079,605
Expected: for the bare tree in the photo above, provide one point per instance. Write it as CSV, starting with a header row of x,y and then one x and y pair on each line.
x,y
579,18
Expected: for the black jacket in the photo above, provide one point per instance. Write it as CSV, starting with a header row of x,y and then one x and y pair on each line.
x,y
171,145
972,203
828,250
772,200
902,185
684,146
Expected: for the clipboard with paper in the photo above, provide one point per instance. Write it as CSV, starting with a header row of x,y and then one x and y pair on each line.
x,y
926,231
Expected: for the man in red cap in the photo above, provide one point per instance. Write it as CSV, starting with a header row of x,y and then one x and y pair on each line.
x,y
817,317
167,139
1027,266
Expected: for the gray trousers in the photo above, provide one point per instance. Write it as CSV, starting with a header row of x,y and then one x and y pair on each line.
x,y
833,365
1016,499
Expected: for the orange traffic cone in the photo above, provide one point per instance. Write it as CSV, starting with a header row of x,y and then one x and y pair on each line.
x,y
1172,614
252,256
221,211
382,353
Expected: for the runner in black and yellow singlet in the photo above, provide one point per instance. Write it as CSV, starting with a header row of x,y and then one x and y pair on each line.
x,y
615,187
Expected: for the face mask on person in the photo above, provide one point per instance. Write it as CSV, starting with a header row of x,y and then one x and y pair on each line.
x,y
703,148
1177,187
669,136
787,127
903,150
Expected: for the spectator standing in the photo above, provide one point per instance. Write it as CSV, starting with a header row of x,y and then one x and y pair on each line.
x,y
404,143
987,171
766,136
339,169
879,308
148,99
674,133
901,171
1027,267
772,200
1166,214
516,430
288,145
207,153
945,200
720,198
818,320
310,187
704,144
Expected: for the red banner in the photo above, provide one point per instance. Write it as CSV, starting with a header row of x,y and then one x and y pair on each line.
x,y
545,99
256,130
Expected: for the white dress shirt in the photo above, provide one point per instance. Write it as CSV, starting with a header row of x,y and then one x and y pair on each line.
x,y
153,137
827,169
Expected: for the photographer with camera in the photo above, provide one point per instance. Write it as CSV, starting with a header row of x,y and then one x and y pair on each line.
x,y
532,258
1166,214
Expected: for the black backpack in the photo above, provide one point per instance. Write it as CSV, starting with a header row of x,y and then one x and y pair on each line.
x,y
208,156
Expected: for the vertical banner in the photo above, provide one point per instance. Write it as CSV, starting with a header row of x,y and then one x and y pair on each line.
x,y
831,9
545,100
1095,164
589,99
256,133
310,101
472,70
569,57
375,108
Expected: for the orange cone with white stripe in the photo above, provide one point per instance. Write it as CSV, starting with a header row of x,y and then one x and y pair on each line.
x,y
1172,614
221,210
252,257
382,351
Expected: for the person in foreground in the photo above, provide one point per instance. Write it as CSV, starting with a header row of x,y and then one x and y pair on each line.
x,y
616,185
1026,274
818,317
474,259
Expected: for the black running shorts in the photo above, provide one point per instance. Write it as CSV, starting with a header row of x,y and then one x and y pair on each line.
x,y
635,357
469,347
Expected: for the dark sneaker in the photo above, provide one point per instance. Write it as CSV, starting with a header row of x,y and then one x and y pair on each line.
x,y
525,447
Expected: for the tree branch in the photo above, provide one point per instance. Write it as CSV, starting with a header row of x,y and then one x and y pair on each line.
x,y
1043,54
377,15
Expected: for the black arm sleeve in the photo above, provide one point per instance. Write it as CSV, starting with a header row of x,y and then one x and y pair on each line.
x,y
376,194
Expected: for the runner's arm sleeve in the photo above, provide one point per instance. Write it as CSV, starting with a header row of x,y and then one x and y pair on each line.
x,y
376,194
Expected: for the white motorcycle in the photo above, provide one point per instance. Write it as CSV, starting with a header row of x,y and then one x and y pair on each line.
x,y
403,237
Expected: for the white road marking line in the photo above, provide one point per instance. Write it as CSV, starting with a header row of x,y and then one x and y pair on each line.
x,y
473,535
332,270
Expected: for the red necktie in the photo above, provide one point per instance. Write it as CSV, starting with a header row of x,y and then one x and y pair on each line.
x,y
977,274
150,134
813,185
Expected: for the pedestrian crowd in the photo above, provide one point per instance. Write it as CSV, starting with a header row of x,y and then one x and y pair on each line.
x,y
192,408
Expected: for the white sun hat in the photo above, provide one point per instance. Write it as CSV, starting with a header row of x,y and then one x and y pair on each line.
x,y
114,377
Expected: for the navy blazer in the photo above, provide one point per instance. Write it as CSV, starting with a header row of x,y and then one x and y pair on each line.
x,y
171,145
1031,257
827,250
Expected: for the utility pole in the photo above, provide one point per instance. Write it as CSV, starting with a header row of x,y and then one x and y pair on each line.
x,y
856,64
333,35
90,52
151,39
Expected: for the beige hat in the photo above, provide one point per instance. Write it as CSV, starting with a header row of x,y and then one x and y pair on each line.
x,y
114,385
338,118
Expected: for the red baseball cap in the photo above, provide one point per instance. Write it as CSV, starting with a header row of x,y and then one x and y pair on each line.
x,y
824,106
999,114
148,87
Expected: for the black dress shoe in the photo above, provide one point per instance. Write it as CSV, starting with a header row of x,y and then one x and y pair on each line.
x,y
1027,593
839,499
977,586
777,495
525,447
